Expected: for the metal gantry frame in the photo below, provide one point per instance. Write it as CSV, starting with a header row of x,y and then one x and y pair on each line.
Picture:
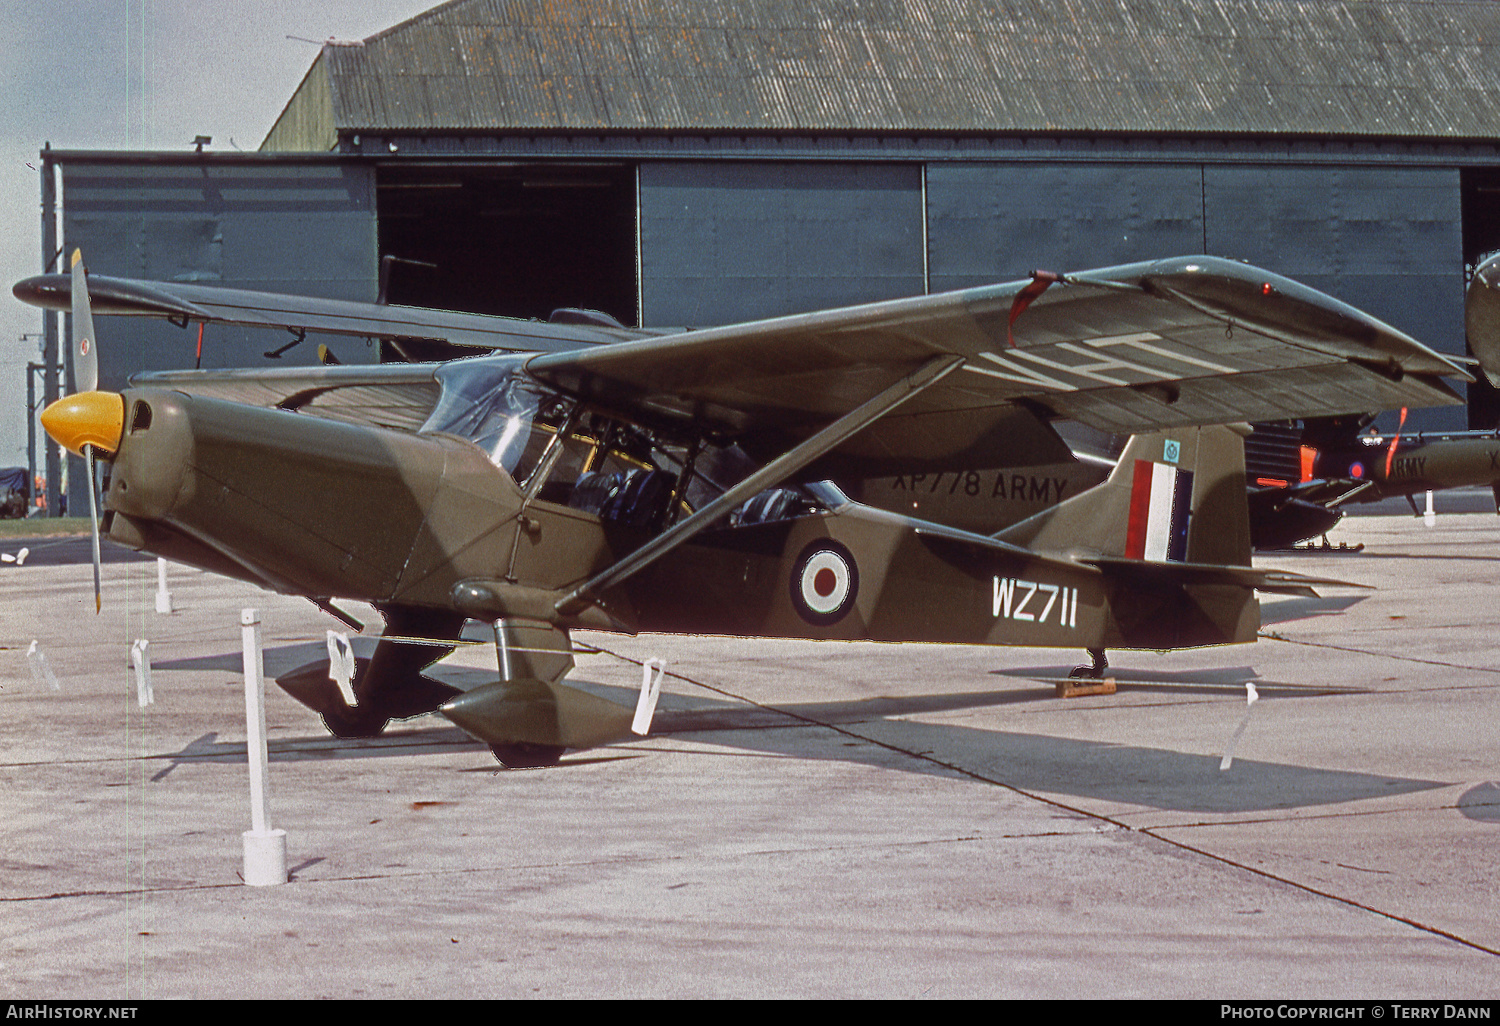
x,y
51,365
32,406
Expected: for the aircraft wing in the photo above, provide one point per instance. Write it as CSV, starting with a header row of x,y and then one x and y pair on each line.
x,y
1191,340
183,303
1141,347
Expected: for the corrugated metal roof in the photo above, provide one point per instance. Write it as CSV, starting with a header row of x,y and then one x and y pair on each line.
x,y
1420,68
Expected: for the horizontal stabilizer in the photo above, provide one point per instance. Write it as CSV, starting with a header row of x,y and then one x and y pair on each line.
x,y
1281,582
962,547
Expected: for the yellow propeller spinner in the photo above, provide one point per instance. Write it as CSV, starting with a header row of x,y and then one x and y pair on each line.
x,y
86,418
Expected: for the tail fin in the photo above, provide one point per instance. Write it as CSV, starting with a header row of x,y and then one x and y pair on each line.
x,y
1175,496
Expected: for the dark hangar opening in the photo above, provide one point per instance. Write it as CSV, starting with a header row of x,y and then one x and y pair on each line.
x,y
516,240
1480,188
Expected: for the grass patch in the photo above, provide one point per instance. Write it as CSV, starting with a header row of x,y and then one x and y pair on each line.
x,y
43,527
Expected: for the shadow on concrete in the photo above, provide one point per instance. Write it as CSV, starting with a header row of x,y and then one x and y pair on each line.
x,y
1102,771
1287,608
400,741
1154,778
1481,802
278,659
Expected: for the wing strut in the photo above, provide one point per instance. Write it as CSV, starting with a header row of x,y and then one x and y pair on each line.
x,y
771,474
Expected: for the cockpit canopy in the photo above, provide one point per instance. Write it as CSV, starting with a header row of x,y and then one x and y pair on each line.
x,y
562,452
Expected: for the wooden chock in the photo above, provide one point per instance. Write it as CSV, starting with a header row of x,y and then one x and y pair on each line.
x,y
1080,686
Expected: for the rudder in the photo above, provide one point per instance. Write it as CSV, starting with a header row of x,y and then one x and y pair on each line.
x,y
1174,496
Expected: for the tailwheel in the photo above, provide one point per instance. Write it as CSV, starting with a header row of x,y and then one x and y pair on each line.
x,y
525,755
1096,669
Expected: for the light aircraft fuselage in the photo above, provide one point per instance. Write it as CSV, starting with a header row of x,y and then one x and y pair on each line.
x,y
333,510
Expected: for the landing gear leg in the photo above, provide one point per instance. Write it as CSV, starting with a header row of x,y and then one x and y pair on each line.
x,y
1096,670
390,685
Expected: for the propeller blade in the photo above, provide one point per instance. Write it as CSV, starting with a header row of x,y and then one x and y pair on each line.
x,y
85,360
94,525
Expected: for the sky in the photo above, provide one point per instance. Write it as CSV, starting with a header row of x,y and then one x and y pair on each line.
x,y
138,75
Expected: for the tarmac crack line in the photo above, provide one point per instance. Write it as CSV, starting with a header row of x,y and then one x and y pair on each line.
x,y
1273,636
1112,822
1415,924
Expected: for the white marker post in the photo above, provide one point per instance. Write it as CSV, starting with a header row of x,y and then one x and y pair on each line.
x,y
1429,518
1251,695
645,706
341,666
265,849
143,694
163,596
41,670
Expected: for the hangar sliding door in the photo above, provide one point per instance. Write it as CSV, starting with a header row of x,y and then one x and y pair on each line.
x,y
730,241
994,222
304,228
1387,240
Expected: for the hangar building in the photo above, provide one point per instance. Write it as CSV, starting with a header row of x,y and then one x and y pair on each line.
x,y
694,162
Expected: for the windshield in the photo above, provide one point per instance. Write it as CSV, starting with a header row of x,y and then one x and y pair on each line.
x,y
490,402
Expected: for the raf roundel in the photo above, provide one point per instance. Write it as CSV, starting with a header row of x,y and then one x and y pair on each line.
x,y
825,582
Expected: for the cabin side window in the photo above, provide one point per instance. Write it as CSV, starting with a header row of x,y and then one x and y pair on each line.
x,y
622,473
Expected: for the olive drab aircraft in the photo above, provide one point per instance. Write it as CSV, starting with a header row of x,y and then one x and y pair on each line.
x,y
1338,465
680,482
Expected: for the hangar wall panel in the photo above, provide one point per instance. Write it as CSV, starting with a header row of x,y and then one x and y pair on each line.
x,y
307,229
730,241
993,222
1387,240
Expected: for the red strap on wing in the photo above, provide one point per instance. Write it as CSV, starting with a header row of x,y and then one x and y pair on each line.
x,y
1390,454
1040,282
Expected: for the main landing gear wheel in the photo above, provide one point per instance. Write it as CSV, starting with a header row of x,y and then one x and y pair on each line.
x,y
524,755
1096,670
356,722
